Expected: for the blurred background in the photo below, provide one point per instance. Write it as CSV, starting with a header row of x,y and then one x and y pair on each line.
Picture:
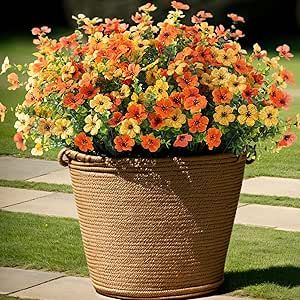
x,y
267,20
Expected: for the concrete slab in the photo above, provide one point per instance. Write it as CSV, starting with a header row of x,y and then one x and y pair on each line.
x,y
272,186
74,288
54,204
13,280
12,196
57,177
13,168
283,218
77,288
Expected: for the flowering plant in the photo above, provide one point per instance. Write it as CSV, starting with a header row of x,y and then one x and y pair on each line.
x,y
113,89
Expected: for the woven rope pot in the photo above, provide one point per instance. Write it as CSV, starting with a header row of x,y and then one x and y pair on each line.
x,y
155,228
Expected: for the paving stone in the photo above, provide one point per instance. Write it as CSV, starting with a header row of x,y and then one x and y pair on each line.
x,y
54,204
272,186
13,280
13,168
57,177
11,196
77,288
74,288
284,218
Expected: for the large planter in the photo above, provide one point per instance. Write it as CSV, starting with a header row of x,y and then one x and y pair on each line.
x,y
155,228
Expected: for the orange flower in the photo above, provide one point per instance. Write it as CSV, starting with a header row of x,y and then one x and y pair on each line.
x,y
288,139
115,120
241,66
88,91
13,79
150,142
257,78
213,138
287,76
83,142
182,140
176,99
198,123
193,100
282,99
123,143
249,92
222,95
284,51
73,101
164,108
156,121
187,80
137,112
19,140
180,5
236,18
167,34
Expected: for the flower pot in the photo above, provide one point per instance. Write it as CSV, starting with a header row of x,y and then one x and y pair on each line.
x,y
155,228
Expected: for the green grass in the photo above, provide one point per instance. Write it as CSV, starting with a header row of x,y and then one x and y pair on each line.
x,y
262,262
64,188
270,200
38,186
286,163
37,242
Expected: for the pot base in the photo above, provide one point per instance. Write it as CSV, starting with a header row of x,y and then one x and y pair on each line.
x,y
185,293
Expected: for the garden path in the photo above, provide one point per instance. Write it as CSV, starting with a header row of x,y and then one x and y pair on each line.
x,y
31,284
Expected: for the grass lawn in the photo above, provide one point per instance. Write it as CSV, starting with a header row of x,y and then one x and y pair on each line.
x,y
270,200
19,49
259,263
63,188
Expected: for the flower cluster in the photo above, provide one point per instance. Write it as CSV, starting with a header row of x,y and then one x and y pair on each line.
x,y
166,88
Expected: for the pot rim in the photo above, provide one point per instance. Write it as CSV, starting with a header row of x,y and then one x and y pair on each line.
x,y
66,155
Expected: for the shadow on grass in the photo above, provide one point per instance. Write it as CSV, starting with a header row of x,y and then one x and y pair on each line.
x,y
285,276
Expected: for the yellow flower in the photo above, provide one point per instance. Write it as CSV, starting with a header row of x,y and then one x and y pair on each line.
x,y
248,114
101,103
269,115
137,98
226,58
220,76
130,127
123,93
176,120
23,123
176,67
152,75
5,65
38,148
63,128
67,71
45,127
236,84
224,115
160,88
93,124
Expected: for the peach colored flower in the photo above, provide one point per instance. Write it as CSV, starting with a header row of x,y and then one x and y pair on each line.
x,y
180,5
2,112
284,51
236,18
13,79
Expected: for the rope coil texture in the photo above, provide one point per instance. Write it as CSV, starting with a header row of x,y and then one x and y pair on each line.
x,y
155,228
